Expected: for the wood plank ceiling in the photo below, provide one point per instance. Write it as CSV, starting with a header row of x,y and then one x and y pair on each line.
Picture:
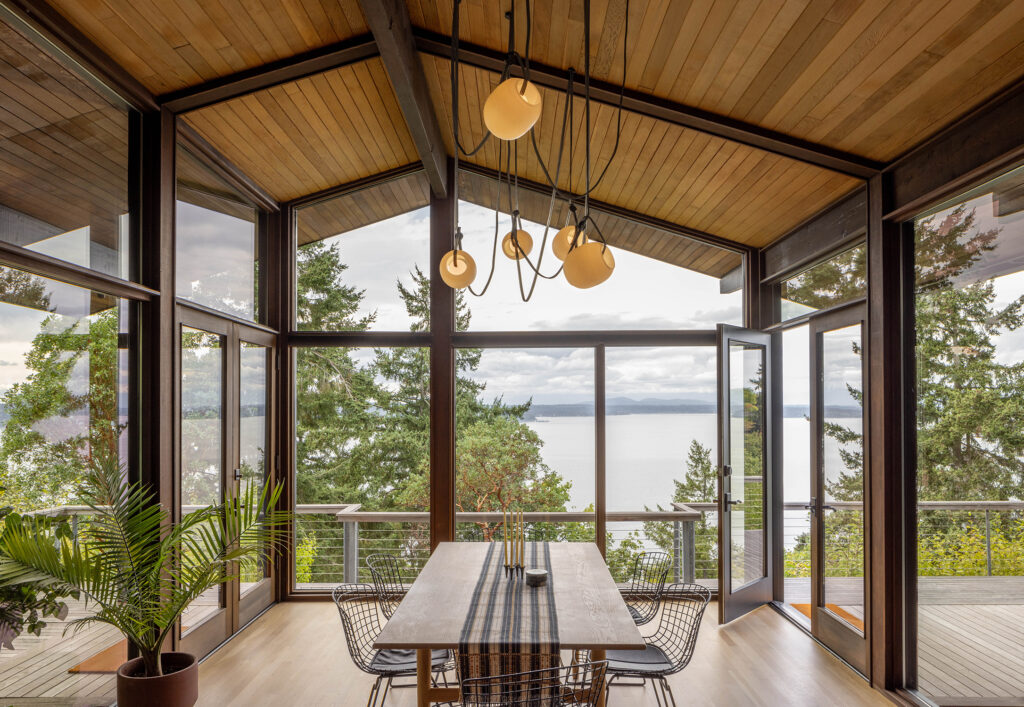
x,y
314,133
170,44
662,170
870,77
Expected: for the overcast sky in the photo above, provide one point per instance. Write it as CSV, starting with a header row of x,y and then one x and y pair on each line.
x,y
641,294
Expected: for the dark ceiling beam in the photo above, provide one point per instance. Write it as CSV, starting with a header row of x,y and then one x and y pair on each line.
x,y
389,22
242,83
983,142
602,207
661,109
225,168
833,229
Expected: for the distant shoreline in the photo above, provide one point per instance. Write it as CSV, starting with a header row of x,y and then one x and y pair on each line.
x,y
539,412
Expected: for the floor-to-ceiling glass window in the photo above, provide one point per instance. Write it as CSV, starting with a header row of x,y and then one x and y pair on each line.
x,y
662,439
821,313
362,409
65,190
524,441
659,400
969,271
225,374
63,408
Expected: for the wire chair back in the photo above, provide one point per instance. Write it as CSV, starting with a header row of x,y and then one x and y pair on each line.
x,y
387,581
682,611
357,607
546,687
650,572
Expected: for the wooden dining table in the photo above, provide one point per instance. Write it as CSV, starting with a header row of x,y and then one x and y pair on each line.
x,y
590,610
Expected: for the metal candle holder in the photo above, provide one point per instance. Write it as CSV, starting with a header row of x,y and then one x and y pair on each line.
x,y
514,543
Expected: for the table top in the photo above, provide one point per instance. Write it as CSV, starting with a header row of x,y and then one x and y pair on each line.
x,y
591,612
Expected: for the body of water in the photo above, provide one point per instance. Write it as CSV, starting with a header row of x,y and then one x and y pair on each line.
x,y
646,453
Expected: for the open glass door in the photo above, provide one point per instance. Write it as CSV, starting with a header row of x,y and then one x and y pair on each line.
x,y
838,577
744,525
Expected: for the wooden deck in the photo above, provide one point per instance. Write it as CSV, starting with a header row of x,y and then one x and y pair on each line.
x,y
970,629
36,671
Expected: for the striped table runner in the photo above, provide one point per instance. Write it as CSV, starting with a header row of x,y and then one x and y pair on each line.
x,y
510,627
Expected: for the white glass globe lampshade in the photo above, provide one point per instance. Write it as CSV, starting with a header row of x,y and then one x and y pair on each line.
x,y
458,269
508,246
510,111
588,265
563,239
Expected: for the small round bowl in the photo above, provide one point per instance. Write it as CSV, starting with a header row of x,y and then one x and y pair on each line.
x,y
535,577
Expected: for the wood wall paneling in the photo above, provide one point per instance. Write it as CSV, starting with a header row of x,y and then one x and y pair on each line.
x,y
340,214
620,232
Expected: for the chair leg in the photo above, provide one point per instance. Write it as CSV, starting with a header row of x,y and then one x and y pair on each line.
x,y
667,690
657,697
384,696
371,701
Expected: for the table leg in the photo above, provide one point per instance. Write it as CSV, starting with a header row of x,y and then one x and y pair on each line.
x,y
598,654
422,677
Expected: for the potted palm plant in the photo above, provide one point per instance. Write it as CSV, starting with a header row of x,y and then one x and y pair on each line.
x,y
139,571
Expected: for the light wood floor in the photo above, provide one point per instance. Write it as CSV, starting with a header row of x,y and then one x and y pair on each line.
x,y
295,654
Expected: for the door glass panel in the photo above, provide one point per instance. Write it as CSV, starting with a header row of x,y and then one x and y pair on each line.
x,y
253,433
746,455
842,461
202,443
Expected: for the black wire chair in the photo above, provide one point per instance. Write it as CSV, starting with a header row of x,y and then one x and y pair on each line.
x,y
670,649
387,581
357,606
643,596
547,687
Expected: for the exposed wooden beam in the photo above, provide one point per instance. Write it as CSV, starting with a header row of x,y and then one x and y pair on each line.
x,y
984,141
890,477
69,43
356,185
225,168
661,109
621,212
827,232
442,370
391,27
224,88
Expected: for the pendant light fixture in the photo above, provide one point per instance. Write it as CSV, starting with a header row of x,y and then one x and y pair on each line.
x,y
511,111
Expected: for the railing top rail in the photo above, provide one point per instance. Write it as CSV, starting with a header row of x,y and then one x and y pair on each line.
x,y
528,516
681,512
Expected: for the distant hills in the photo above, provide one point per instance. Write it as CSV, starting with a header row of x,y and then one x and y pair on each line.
x,y
660,406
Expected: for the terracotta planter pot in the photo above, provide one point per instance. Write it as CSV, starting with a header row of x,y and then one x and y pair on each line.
x,y
177,687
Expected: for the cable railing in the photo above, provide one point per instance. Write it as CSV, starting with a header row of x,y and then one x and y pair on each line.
x,y
955,538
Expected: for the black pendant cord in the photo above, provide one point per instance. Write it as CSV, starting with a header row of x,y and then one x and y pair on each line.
x,y
454,74
569,97
494,245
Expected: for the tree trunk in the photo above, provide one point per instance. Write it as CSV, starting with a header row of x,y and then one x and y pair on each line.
x,y
151,659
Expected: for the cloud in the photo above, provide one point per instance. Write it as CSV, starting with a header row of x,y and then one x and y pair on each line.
x,y
9,363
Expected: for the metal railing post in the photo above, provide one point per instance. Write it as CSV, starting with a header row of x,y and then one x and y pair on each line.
x,y
689,551
677,552
988,544
351,543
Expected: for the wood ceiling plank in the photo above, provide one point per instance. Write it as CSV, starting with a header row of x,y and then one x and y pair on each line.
x,y
171,44
714,47
1000,34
